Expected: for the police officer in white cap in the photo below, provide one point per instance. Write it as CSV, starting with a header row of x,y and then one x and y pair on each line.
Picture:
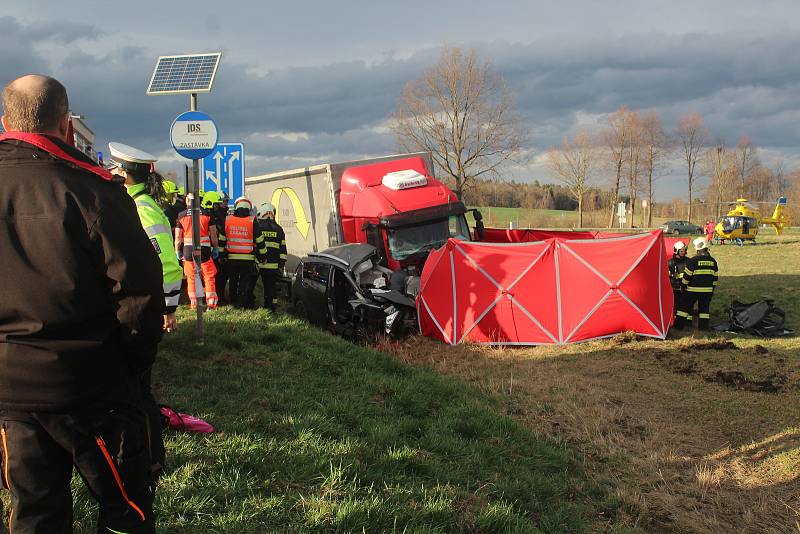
x,y
145,186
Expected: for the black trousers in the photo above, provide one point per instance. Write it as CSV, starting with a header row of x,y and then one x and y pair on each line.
x,y
154,427
269,278
688,300
221,280
108,445
677,297
242,278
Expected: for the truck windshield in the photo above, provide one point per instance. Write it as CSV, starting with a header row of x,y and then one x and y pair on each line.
x,y
409,240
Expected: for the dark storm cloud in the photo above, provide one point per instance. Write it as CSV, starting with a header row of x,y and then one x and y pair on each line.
x,y
742,84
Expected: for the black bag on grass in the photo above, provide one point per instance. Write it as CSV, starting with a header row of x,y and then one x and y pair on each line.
x,y
761,318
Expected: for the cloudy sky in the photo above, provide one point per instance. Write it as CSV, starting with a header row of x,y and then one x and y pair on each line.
x,y
314,81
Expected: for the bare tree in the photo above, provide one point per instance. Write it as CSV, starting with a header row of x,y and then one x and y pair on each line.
x,y
634,151
462,112
655,148
693,136
781,180
572,164
762,184
746,162
721,168
617,137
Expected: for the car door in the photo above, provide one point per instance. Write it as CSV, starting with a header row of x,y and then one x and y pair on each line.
x,y
315,287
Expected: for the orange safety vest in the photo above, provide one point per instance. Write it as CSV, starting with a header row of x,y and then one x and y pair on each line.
x,y
186,224
239,235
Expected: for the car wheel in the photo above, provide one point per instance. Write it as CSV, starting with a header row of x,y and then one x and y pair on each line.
x,y
676,232
300,310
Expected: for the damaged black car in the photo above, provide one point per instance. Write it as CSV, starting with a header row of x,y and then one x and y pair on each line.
x,y
346,290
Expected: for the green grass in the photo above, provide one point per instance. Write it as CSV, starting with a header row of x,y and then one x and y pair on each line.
x,y
767,269
317,434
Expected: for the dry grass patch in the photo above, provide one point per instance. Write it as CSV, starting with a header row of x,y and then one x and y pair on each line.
x,y
679,450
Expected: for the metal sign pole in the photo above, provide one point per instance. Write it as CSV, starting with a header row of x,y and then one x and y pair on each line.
x,y
196,248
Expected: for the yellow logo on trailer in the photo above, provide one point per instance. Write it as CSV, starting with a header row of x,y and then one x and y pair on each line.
x,y
301,222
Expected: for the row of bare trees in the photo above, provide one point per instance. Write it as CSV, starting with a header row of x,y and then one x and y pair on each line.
x,y
634,147
463,113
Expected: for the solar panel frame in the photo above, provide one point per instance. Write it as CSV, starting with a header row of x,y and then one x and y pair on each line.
x,y
184,74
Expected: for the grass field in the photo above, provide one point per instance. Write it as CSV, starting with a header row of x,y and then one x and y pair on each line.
x,y
317,434
691,434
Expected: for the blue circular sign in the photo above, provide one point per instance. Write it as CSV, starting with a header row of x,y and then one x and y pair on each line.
x,y
194,135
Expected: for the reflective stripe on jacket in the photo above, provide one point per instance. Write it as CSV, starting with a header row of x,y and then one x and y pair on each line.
x,y
185,223
241,241
700,274
156,225
274,244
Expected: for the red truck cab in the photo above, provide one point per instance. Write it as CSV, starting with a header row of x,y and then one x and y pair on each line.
x,y
401,209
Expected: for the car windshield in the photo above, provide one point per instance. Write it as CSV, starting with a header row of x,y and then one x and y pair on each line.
x,y
409,240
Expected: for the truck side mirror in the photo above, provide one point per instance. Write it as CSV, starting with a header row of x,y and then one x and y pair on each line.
x,y
477,215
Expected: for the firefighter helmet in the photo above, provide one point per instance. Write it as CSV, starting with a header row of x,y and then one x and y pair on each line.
x,y
211,198
169,187
700,243
242,202
264,209
678,246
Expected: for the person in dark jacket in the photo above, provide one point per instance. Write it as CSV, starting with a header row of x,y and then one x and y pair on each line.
x,y
244,248
272,266
676,265
78,325
700,278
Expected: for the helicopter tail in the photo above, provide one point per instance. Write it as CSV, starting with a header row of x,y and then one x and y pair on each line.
x,y
779,220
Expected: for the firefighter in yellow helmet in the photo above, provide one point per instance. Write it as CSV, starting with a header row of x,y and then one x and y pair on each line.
x,y
215,206
172,203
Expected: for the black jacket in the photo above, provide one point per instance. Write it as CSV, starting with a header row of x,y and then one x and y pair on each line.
x,y
275,241
82,298
701,273
676,264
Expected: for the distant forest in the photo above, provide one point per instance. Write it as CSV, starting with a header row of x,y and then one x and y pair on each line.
x,y
511,194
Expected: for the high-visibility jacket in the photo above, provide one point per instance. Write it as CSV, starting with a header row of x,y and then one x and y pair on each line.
x,y
185,223
275,243
156,225
700,274
242,240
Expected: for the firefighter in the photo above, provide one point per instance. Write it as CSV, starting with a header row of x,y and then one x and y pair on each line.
x,y
208,252
699,280
244,244
676,264
146,188
80,318
272,266
216,206
171,203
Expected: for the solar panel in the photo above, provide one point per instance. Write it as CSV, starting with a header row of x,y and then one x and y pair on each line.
x,y
190,73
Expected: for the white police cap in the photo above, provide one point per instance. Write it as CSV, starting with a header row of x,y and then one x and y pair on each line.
x,y
124,154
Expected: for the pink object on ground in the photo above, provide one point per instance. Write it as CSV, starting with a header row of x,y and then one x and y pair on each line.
x,y
182,421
